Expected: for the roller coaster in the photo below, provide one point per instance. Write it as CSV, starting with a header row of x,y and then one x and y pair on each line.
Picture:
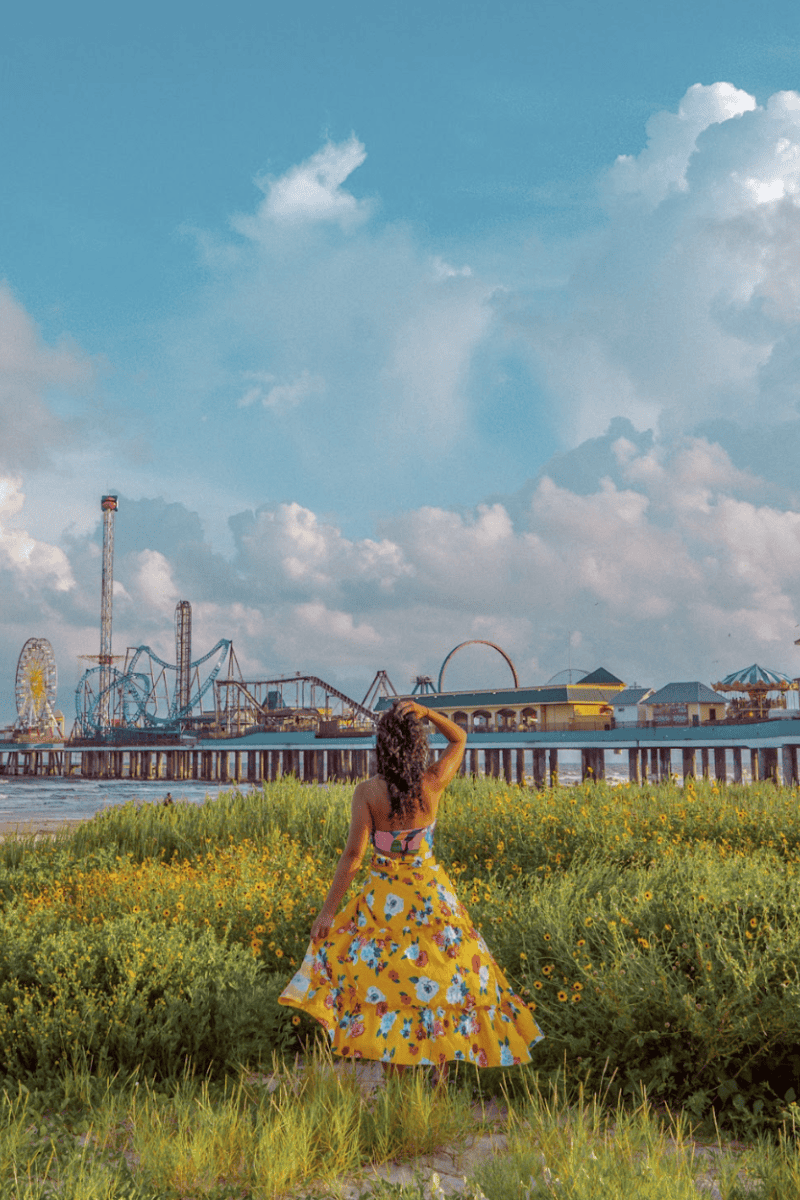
x,y
140,695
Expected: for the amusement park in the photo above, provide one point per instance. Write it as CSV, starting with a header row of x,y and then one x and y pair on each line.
x,y
138,715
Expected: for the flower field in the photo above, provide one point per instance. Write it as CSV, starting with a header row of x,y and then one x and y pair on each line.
x,y
654,930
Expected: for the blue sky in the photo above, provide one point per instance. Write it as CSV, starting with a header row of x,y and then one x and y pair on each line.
x,y
399,325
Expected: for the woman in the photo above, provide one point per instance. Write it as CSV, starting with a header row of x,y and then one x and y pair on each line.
x,y
400,974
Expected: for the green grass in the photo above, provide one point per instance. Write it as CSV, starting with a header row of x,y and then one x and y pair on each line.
x,y
126,1139
655,929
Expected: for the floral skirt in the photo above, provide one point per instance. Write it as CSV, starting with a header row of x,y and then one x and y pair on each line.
x,y
404,977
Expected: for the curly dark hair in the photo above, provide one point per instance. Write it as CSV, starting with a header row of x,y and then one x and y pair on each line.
x,y
401,747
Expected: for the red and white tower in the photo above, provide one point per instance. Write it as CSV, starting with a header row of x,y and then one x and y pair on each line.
x,y
109,506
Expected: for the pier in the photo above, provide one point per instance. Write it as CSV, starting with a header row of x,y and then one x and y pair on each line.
x,y
765,750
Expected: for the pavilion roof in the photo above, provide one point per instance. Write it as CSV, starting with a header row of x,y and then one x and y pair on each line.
x,y
755,677
685,693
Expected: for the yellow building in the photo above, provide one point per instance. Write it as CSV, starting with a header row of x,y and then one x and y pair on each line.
x,y
587,704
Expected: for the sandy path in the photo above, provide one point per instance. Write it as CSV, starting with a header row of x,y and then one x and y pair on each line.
x,y
36,826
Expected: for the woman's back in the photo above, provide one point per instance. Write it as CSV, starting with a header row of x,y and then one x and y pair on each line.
x,y
416,813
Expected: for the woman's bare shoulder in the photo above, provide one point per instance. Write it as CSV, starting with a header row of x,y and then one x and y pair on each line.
x,y
374,793
375,786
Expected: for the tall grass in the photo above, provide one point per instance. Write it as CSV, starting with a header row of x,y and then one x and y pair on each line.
x,y
654,929
119,1137
305,1134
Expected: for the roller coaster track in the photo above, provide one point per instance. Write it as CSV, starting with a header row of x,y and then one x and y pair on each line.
x,y
131,696
245,686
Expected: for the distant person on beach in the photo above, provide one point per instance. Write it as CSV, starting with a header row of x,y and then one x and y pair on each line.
x,y
400,974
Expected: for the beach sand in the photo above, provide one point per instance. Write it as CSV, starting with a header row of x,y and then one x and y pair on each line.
x,y
36,826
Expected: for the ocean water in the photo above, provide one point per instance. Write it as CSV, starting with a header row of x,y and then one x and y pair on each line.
x,y
45,799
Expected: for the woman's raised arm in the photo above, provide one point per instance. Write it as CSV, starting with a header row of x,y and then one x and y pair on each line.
x,y
445,768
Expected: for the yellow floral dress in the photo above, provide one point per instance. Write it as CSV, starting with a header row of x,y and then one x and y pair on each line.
x,y
404,976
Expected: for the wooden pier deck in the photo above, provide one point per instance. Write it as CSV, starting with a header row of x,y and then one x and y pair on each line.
x,y
728,753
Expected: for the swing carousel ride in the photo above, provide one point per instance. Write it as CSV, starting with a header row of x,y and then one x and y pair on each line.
x,y
757,692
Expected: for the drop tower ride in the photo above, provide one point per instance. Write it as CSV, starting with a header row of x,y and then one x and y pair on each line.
x,y
108,505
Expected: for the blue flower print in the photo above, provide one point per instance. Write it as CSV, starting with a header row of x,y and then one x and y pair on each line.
x,y
412,951
387,1021
393,905
406,1030
463,1024
457,990
370,955
425,988
426,1019
506,1057
374,995
451,936
362,920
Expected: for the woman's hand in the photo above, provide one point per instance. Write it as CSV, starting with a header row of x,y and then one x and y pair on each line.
x,y
410,706
321,927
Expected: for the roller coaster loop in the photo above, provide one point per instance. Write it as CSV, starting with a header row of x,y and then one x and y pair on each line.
x,y
131,696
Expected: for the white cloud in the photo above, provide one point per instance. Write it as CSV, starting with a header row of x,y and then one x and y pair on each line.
x,y
32,563
443,270
30,371
428,372
687,304
661,167
311,192
656,556
281,397
364,342
312,554
152,583
667,567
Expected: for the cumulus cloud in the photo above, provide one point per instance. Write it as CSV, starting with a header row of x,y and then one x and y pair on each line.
x,y
346,343
312,556
668,563
30,372
152,584
661,167
665,564
311,192
32,563
281,397
686,304
359,368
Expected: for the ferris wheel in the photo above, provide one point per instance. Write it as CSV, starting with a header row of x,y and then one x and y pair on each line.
x,y
36,684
